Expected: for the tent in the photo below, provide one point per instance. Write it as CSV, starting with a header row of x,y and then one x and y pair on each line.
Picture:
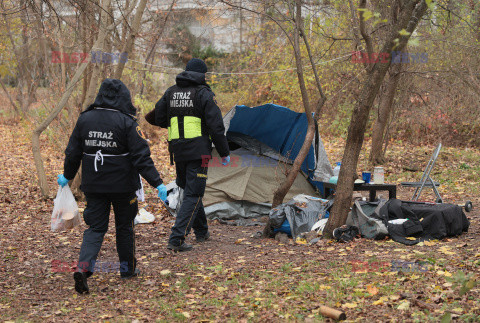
x,y
264,141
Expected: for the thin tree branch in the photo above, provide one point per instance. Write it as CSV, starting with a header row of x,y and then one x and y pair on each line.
x,y
364,33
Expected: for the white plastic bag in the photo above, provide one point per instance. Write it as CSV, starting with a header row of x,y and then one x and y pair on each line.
x,y
140,193
320,225
144,216
65,214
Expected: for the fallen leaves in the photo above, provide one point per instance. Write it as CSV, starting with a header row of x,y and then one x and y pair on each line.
x,y
350,305
165,272
372,290
443,273
446,250
379,302
233,277
403,306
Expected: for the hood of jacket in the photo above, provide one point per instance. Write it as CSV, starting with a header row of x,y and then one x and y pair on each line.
x,y
113,94
190,78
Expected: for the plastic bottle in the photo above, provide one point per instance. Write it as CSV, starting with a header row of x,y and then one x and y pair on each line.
x,y
336,170
333,179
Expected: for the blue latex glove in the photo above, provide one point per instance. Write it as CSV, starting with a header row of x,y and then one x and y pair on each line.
x,y
225,160
62,181
162,192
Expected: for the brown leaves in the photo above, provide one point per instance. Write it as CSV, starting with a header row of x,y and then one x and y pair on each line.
x,y
233,276
372,290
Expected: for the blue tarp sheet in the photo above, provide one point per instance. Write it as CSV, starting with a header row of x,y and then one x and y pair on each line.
x,y
278,127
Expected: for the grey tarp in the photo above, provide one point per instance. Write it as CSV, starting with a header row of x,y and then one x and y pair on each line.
x,y
365,216
302,212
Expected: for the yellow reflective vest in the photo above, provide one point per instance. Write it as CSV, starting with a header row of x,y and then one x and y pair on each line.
x,y
185,121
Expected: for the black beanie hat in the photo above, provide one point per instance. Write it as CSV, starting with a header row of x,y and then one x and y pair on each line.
x,y
196,65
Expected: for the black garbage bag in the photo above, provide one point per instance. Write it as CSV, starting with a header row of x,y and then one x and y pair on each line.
x,y
424,221
346,233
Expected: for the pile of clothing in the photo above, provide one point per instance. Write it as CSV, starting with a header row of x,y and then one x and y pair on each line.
x,y
407,222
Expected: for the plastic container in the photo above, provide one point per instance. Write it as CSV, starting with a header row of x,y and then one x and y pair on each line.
x,y
336,170
366,176
378,175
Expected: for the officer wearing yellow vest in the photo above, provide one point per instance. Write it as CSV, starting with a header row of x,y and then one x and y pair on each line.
x,y
190,113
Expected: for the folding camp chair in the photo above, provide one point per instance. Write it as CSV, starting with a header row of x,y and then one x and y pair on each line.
x,y
426,180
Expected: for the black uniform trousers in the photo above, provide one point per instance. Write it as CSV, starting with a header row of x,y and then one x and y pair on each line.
x,y
192,178
96,216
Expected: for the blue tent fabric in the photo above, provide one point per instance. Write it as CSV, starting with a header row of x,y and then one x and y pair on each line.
x,y
278,127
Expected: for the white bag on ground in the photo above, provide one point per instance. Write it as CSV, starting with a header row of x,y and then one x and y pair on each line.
x,y
65,214
144,216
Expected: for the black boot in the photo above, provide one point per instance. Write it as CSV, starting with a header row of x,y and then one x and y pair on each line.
x,y
183,247
135,273
80,282
204,238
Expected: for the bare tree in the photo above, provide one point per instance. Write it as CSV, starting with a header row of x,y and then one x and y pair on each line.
x,y
128,45
410,14
154,42
27,70
385,109
299,32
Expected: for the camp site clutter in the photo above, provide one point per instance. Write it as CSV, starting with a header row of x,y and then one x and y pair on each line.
x,y
264,141
268,135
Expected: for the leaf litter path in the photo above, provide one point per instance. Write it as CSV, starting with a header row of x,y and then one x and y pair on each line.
x,y
233,276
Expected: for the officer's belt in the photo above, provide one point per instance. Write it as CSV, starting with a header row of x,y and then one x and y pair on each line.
x,y
99,157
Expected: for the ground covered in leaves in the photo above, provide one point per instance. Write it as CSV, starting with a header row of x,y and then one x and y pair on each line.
x,y
235,276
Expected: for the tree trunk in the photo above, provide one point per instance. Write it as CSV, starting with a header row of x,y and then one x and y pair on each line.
x,y
18,111
85,47
21,55
108,67
128,46
384,111
125,25
37,156
410,15
63,68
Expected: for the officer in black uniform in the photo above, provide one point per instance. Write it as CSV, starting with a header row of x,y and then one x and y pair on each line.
x,y
190,113
113,152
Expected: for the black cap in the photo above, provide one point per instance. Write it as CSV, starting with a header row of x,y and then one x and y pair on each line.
x,y
196,65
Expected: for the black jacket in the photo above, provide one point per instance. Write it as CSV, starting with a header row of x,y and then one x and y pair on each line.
x,y
196,148
109,143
